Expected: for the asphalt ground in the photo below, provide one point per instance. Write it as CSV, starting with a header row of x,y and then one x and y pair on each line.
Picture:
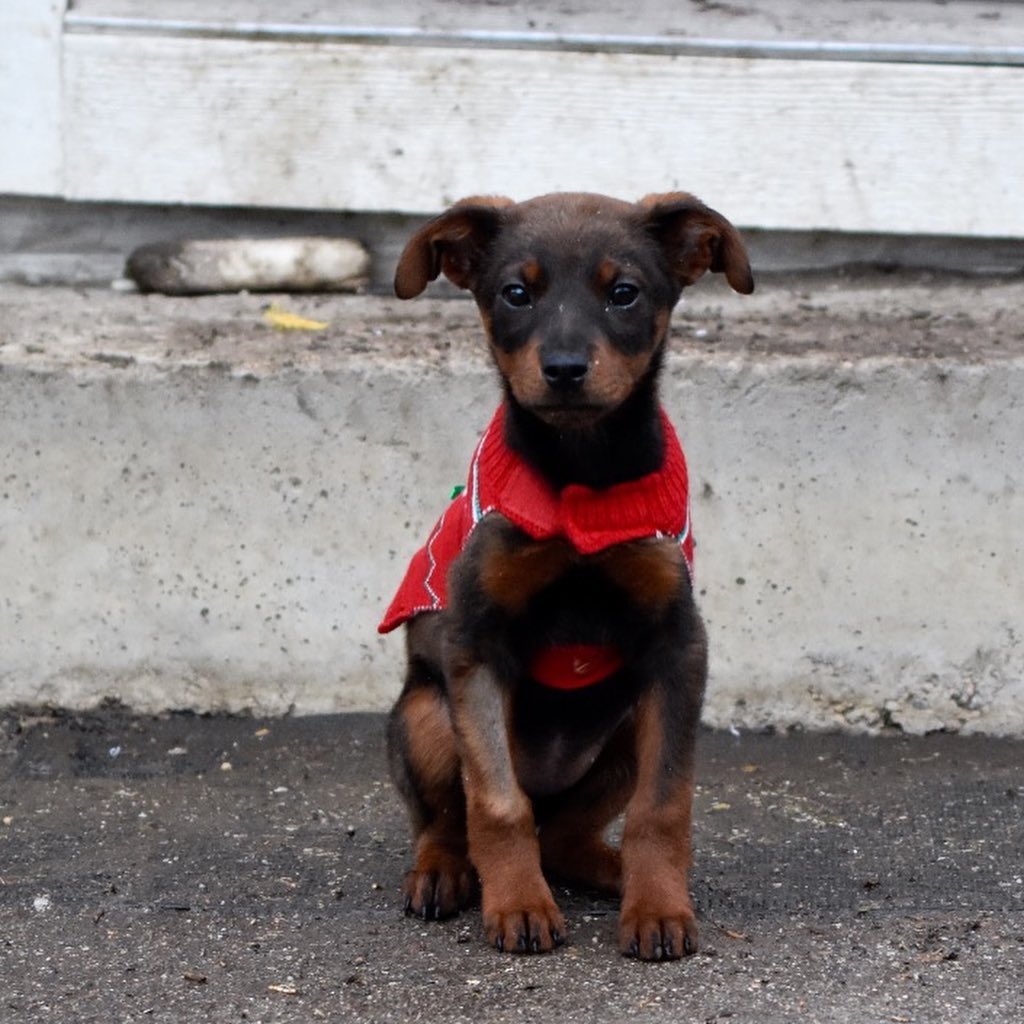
x,y
188,868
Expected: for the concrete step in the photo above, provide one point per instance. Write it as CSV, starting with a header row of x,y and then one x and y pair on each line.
x,y
198,511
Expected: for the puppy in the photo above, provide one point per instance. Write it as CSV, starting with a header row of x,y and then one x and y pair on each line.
x,y
556,658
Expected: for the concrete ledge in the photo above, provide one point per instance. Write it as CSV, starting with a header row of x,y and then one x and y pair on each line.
x,y
199,512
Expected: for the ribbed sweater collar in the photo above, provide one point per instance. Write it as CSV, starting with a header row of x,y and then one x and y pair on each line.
x,y
590,519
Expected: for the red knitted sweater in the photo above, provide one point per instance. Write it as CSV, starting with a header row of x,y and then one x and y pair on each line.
x,y
656,505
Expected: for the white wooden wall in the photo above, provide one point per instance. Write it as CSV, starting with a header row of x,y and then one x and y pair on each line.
x,y
222,116
30,96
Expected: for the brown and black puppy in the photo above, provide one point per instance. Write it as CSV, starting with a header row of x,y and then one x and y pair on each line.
x,y
556,658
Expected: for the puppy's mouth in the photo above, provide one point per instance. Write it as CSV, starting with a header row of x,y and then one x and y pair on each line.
x,y
569,415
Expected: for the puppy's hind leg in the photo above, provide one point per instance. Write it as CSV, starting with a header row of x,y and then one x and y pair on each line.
x,y
425,768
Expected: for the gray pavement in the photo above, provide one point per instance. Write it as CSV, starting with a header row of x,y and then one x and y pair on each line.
x,y
188,868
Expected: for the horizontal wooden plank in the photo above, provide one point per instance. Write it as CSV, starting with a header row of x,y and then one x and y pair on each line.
x,y
661,44
969,23
783,144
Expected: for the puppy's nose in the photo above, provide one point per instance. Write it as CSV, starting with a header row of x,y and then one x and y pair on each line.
x,y
565,370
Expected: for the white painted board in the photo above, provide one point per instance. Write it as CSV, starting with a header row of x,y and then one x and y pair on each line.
x,y
974,23
773,143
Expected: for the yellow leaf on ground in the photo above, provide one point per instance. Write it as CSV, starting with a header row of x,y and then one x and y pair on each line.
x,y
285,321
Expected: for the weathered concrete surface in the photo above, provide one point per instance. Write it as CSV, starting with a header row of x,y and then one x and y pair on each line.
x,y
199,512
837,880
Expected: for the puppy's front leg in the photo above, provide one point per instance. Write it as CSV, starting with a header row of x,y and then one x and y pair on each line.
x,y
657,921
519,912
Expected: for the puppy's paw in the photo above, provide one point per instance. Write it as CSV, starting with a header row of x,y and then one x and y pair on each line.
x,y
524,925
652,931
439,891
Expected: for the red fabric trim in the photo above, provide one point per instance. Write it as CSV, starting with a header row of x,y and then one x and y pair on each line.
x,y
592,520
574,666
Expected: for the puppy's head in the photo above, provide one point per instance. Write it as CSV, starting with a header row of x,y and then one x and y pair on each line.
x,y
575,290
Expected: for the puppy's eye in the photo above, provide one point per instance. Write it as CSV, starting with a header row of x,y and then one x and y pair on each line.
x,y
623,294
515,295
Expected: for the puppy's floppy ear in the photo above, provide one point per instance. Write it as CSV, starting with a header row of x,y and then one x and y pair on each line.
x,y
696,239
453,244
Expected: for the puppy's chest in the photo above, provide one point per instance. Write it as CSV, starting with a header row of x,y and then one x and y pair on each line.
x,y
522,577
